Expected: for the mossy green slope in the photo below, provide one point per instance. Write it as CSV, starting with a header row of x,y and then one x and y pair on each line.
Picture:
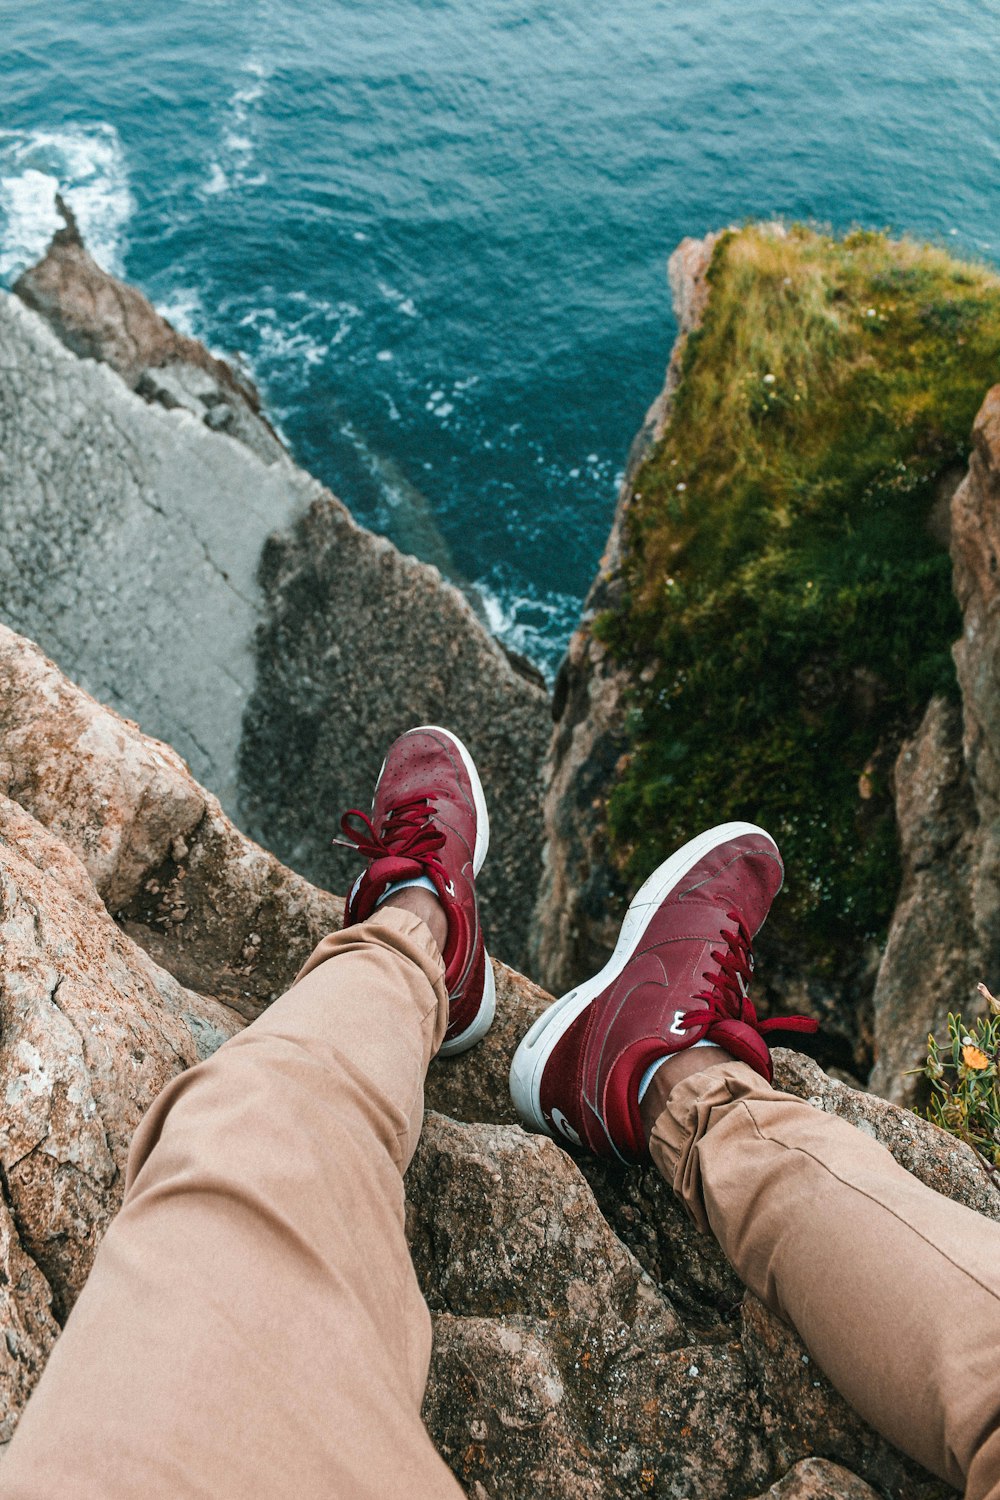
x,y
787,608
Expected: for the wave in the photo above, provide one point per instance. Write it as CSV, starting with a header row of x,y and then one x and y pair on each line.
x,y
86,163
533,625
234,165
301,332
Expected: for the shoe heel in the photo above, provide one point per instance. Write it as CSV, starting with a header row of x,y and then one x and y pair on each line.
x,y
477,1028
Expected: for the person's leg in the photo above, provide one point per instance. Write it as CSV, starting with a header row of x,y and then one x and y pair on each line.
x,y
894,1289
252,1324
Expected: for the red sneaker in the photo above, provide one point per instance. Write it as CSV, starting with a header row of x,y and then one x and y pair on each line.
x,y
429,818
680,973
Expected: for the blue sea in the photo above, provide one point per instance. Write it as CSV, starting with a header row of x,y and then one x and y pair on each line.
x,y
436,231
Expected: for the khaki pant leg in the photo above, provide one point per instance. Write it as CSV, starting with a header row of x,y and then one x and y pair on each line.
x,y
252,1325
894,1289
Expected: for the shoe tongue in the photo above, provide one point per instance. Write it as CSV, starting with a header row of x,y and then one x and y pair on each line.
x,y
380,874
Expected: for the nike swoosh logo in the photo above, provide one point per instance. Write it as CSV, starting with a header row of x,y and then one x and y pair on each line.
x,y
561,1123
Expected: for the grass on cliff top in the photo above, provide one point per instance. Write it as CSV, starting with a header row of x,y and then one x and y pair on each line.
x,y
788,606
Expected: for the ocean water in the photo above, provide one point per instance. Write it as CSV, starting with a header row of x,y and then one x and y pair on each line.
x,y
436,230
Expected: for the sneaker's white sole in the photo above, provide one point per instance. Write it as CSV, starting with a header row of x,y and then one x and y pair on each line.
x,y
478,1028
537,1046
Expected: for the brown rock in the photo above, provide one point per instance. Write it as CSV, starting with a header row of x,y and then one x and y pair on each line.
x,y
559,1367
91,1031
504,1221
581,894
211,906
588,1341
26,1323
945,933
101,318
975,550
818,1479
930,963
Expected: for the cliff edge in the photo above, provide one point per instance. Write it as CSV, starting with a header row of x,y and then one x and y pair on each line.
x,y
162,546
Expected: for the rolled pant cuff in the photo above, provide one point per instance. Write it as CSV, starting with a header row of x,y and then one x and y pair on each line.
x,y
685,1119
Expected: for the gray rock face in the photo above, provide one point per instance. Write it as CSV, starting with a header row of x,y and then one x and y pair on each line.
x,y
581,895
135,550
359,643
945,933
130,544
930,963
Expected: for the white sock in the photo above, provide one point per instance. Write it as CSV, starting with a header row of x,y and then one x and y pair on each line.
x,y
424,882
650,1072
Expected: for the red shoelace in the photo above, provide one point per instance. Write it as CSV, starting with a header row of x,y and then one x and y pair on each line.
x,y
407,832
727,995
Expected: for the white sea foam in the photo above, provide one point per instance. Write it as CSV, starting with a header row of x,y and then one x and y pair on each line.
x,y
234,165
185,310
535,627
305,338
400,301
86,163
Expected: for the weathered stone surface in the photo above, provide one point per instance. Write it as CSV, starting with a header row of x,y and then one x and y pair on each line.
x,y
930,965
207,903
131,540
945,934
975,550
360,643
818,1479
29,1330
91,1031
581,895
502,1220
104,319
548,1328
561,1367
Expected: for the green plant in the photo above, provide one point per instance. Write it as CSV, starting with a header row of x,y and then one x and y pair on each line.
x,y
965,1086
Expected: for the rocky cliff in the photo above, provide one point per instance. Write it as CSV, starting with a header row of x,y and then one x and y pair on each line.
x,y
772,616
159,542
945,933
587,1340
